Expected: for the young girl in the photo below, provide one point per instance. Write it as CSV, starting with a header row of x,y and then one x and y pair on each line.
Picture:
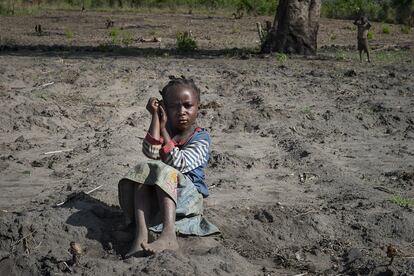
x,y
167,196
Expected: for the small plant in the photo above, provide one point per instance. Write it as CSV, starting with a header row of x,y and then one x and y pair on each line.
x,y
306,110
370,35
126,38
401,201
114,35
185,42
386,29
281,57
405,29
235,30
69,34
333,36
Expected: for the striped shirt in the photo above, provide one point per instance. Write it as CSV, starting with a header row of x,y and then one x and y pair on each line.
x,y
189,157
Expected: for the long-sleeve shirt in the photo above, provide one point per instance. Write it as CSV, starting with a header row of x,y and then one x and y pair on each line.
x,y
190,157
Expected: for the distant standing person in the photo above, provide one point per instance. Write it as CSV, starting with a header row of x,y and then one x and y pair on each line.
x,y
363,26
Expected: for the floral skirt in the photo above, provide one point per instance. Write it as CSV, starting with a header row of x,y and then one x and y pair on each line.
x,y
189,202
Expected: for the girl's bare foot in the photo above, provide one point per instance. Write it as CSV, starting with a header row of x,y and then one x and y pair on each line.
x,y
136,248
166,241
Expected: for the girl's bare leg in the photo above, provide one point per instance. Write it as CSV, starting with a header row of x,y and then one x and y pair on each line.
x,y
143,199
168,239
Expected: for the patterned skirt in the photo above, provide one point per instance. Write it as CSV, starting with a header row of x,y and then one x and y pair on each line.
x,y
189,202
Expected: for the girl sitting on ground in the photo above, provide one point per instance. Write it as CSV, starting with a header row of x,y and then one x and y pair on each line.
x,y
165,194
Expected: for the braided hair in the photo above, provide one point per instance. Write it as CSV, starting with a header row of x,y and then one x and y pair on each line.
x,y
181,81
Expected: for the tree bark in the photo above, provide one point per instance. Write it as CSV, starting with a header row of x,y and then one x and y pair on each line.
x,y
296,29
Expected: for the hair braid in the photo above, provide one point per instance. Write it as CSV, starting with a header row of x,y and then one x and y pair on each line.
x,y
181,81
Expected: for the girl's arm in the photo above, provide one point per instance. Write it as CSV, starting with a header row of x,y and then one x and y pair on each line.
x,y
191,156
152,142
163,125
154,129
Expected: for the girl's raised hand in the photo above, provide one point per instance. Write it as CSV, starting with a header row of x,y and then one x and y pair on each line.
x,y
152,105
163,116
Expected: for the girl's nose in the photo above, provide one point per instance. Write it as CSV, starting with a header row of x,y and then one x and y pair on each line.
x,y
181,109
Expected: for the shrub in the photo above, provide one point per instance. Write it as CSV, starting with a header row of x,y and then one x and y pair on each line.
x,y
386,29
185,42
370,35
401,201
69,34
126,38
281,57
113,35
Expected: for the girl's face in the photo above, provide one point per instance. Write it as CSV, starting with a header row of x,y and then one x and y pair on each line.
x,y
181,105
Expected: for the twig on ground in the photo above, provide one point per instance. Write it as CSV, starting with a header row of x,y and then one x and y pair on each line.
x,y
68,267
25,237
88,192
57,151
47,84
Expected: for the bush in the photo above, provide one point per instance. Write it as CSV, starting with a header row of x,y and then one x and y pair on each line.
x,y
69,34
386,29
370,35
126,38
350,9
281,57
185,42
113,35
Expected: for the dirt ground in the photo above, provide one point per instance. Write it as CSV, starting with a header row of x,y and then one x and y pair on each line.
x,y
312,166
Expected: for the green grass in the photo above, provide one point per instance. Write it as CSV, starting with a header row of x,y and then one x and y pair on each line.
x,y
69,34
185,42
386,29
391,56
306,110
402,201
370,35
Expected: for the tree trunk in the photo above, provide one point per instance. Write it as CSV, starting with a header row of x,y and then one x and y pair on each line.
x,y
297,28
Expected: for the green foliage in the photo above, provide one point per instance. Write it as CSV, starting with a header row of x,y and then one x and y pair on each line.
x,y
69,34
306,110
3,9
392,11
370,35
185,42
118,36
126,38
114,35
401,201
257,7
405,29
281,57
386,29
350,9
254,7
